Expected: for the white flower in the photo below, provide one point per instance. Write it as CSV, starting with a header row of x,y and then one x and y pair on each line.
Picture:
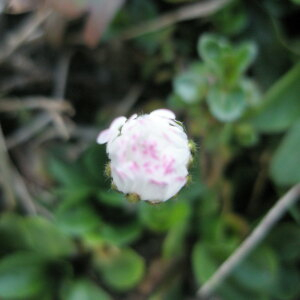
x,y
149,155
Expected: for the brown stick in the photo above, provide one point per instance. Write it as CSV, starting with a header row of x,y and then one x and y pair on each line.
x,y
19,37
6,176
13,104
259,233
60,83
40,122
13,182
25,133
188,12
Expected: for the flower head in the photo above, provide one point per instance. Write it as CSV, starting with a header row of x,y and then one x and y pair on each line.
x,y
149,155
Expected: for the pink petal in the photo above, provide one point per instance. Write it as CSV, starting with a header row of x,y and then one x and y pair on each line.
x,y
165,113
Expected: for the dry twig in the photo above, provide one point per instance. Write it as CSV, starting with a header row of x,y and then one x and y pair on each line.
x,y
129,101
259,233
40,122
61,75
5,173
23,194
19,37
14,104
185,13
25,133
60,82
13,182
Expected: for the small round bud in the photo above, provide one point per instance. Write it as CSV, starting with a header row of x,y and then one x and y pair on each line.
x,y
149,155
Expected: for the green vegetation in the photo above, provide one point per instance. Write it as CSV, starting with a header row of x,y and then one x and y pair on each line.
x,y
231,76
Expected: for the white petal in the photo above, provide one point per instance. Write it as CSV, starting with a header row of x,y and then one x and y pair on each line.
x,y
103,136
134,116
153,191
165,113
108,134
175,187
117,123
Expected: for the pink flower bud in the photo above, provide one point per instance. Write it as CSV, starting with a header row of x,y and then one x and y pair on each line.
x,y
149,155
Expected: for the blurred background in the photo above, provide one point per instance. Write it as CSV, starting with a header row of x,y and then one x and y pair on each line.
x,y
228,69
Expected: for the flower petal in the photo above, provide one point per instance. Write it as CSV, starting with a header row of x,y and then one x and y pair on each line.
x,y
104,136
165,113
149,155
117,123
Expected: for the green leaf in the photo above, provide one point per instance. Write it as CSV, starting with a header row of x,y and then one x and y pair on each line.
x,y
22,275
120,235
280,106
203,262
87,173
208,256
174,242
77,220
154,41
43,297
258,272
230,291
244,56
44,237
70,175
179,1
294,212
83,289
191,86
75,195
245,134
122,270
175,102
212,229
210,48
287,285
286,241
112,198
172,289
253,95
226,106
227,63
94,161
141,10
232,19
296,1
286,160
13,235
234,62
163,216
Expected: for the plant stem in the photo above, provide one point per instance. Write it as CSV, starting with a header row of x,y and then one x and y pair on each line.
x,y
188,12
5,174
259,233
17,38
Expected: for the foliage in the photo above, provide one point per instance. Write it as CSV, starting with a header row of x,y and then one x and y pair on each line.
x,y
232,78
